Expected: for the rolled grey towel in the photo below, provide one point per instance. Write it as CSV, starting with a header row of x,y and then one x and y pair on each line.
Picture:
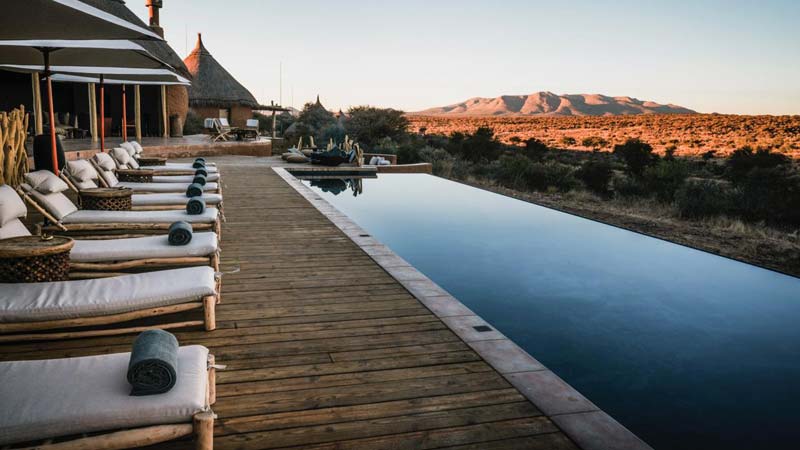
x,y
153,368
200,159
199,164
202,172
195,206
194,190
180,233
199,179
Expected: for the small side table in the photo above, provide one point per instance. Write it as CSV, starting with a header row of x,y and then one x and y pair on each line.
x,y
152,161
135,175
107,199
32,259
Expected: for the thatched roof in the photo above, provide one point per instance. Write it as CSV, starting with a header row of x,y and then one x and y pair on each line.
x,y
159,49
212,85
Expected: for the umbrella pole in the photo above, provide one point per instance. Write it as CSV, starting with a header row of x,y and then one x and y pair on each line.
x,y
53,148
124,116
102,115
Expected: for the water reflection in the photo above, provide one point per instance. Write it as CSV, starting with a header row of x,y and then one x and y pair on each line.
x,y
336,186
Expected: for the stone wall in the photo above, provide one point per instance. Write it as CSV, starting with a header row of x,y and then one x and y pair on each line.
x,y
237,117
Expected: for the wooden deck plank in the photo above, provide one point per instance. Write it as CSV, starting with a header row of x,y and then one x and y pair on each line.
x,y
325,350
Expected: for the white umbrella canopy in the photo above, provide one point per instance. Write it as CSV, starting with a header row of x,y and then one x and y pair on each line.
x,y
65,19
133,75
142,80
92,53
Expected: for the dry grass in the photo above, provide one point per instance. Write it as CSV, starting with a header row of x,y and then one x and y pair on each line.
x,y
690,134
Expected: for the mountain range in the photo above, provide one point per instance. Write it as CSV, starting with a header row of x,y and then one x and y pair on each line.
x,y
550,104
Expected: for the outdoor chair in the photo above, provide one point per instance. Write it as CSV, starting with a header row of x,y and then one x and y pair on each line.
x,y
222,130
84,308
81,175
106,167
44,191
251,129
97,257
88,401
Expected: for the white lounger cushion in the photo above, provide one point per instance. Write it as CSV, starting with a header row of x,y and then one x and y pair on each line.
x,y
182,178
91,216
180,166
13,228
202,244
59,397
11,206
33,302
171,199
162,187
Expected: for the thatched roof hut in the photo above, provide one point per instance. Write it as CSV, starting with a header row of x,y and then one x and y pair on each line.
x,y
212,85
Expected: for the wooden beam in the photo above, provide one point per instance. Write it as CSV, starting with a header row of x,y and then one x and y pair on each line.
x,y
137,112
164,116
93,112
37,103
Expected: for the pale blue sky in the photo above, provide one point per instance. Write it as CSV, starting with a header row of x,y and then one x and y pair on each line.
x,y
731,56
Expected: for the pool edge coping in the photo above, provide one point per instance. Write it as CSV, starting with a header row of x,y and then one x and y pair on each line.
x,y
580,419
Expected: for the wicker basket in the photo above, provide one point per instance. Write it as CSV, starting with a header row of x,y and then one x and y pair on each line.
x,y
152,161
106,199
30,259
135,175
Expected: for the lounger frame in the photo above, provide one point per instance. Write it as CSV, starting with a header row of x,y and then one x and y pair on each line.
x,y
202,427
102,181
108,230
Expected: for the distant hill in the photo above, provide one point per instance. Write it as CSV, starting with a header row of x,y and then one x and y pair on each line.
x,y
550,104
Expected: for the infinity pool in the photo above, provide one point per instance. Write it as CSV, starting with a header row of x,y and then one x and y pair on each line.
x,y
685,348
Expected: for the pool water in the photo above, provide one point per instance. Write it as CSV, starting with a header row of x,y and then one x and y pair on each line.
x,y
687,349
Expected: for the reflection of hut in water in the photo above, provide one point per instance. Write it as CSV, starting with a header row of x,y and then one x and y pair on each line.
x,y
214,91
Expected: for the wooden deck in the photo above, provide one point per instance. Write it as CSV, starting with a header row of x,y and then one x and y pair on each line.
x,y
325,350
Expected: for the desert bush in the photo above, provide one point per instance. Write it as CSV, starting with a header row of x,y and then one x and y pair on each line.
x,y
703,198
368,125
595,175
568,141
441,161
385,145
193,125
743,160
534,149
627,186
595,142
518,172
665,178
637,155
512,171
477,147
770,194
408,154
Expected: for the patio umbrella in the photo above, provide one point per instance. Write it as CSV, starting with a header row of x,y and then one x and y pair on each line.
x,y
96,56
64,19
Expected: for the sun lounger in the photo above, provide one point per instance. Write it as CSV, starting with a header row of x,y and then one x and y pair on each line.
x,y
81,174
124,160
63,217
28,310
136,151
106,167
88,395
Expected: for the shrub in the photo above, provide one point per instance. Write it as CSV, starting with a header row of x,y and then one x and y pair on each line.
x,y
408,154
626,186
595,175
477,147
637,156
568,141
386,145
535,149
193,125
743,160
703,198
441,161
770,194
368,125
665,178
518,172
595,142
512,171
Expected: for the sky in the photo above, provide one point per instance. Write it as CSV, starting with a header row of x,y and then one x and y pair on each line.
x,y
731,56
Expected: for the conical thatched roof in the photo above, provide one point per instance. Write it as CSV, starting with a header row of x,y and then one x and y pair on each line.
x,y
159,49
212,85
